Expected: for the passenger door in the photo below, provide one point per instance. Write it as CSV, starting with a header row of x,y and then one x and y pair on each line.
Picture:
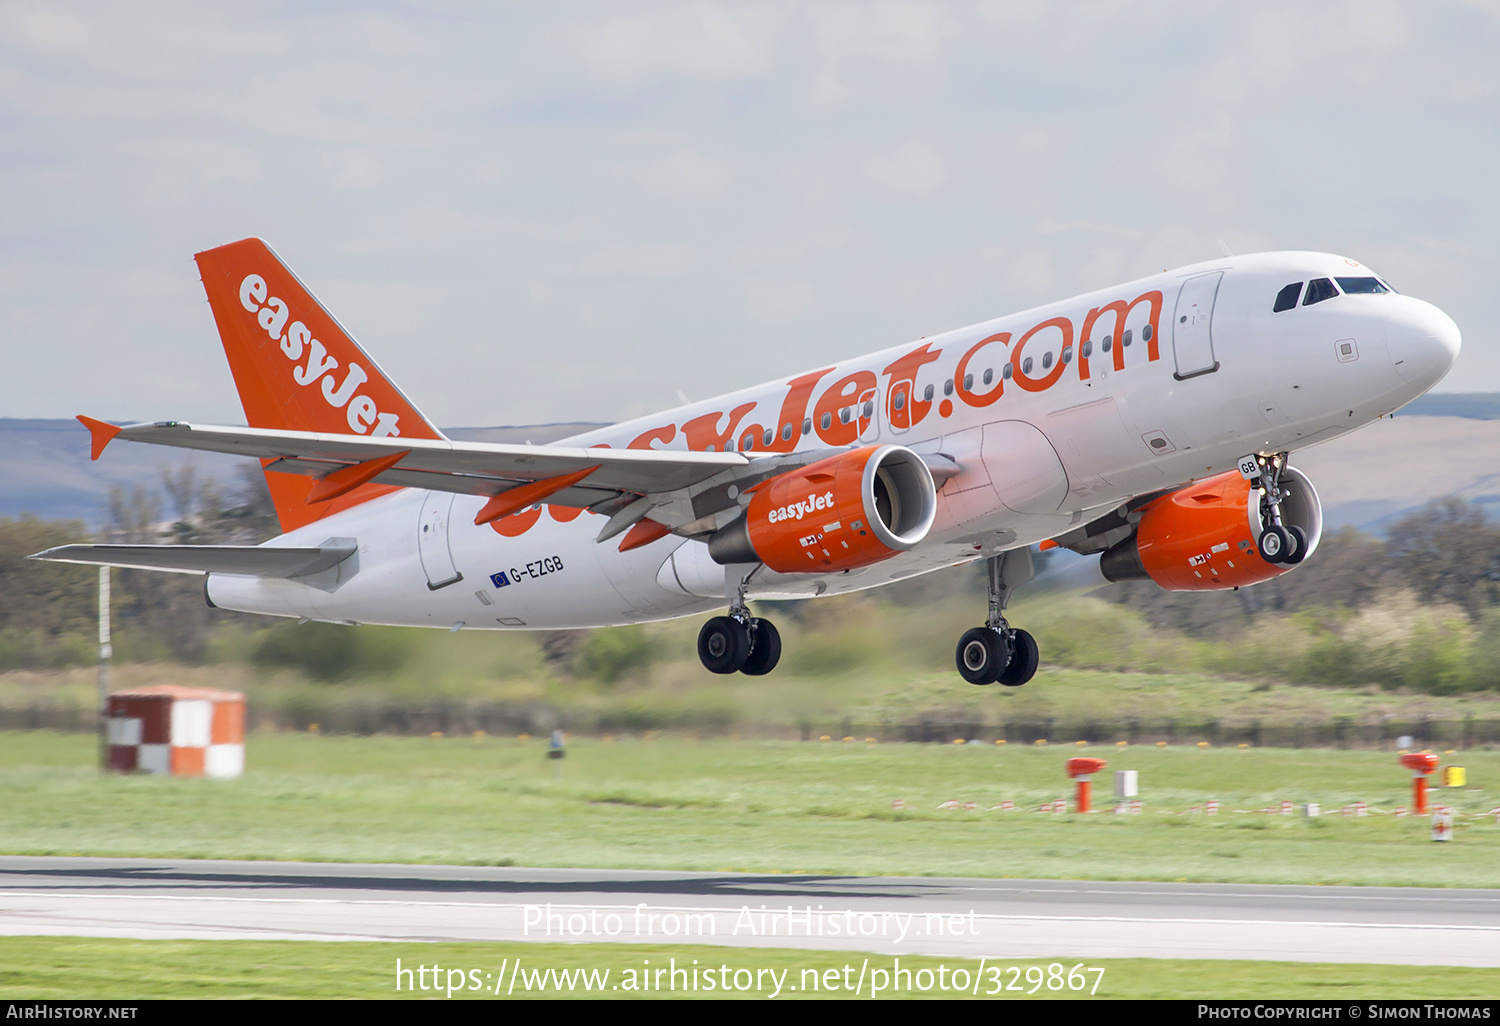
x,y
1192,326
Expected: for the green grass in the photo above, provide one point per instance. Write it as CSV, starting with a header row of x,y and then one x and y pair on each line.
x,y
749,805
71,967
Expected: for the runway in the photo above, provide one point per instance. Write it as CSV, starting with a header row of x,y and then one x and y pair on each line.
x,y
997,919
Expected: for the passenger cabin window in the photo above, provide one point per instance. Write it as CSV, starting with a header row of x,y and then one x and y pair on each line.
x,y
1007,371
1318,290
1287,297
827,421
927,395
807,426
786,432
948,387
1360,286
989,375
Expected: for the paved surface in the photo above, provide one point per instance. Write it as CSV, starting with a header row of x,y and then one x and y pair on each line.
x,y
1004,919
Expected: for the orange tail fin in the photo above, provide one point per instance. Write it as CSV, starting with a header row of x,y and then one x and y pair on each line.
x,y
297,369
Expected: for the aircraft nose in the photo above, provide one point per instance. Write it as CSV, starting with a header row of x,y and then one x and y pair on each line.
x,y
1423,341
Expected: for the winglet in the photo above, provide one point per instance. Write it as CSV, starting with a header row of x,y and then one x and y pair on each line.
x,y
346,479
102,434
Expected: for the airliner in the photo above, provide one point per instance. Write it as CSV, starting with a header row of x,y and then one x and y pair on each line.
x,y
1148,424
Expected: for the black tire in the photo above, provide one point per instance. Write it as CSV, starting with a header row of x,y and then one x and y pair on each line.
x,y
765,649
980,655
1274,544
1299,545
723,645
1025,657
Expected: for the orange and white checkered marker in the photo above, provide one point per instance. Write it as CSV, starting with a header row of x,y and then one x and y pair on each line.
x,y
186,732
1442,826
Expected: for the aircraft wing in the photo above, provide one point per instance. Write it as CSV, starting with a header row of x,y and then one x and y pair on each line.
x,y
251,560
687,492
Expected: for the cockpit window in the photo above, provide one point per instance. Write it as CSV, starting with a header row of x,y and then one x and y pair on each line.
x,y
1287,297
1318,290
1356,286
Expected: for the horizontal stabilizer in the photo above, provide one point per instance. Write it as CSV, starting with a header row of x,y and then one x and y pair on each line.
x,y
250,560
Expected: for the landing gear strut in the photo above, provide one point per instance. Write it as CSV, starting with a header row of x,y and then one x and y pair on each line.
x,y
739,642
997,651
1279,543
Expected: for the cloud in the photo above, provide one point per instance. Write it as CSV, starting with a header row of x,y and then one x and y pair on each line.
x,y
891,30
52,31
687,174
651,261
915,169
708,41
779,301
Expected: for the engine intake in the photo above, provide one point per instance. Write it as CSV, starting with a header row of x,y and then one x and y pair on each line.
x,y
1203,537
847,511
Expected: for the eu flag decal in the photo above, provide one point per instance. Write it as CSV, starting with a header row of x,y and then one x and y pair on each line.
x,y
499,580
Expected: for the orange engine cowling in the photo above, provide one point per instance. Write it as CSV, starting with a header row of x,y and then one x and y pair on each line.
x,y
1203,537
847,511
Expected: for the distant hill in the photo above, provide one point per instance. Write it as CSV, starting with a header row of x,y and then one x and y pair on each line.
x,y
1439,445
1474,405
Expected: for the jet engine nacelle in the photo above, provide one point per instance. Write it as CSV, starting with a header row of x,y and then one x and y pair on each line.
x,y
1204,537
847,511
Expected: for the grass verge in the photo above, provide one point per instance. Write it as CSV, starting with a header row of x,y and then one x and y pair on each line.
x,y
752,806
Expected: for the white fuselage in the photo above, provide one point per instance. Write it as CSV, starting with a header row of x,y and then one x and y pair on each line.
x,y
1056,426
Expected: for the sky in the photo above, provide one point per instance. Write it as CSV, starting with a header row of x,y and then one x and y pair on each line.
x,y
532,213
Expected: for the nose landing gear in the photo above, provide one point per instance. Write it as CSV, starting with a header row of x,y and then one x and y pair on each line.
x,y
1279,542
998,652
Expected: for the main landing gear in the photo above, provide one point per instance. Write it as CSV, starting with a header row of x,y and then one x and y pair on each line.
x,y
1279,542
739,642
997,651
